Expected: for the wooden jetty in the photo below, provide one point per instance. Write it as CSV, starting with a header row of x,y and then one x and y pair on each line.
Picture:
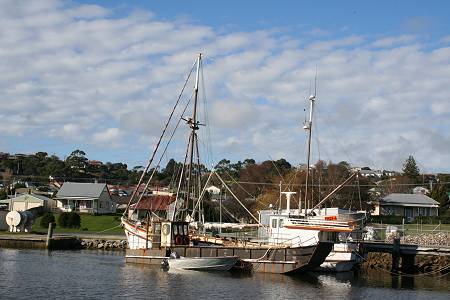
x,y
404,252
39,242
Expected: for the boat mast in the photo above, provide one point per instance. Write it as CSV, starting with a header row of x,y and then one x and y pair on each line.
x,y
194,125
308,127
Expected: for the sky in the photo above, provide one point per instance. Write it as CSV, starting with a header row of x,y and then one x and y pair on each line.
x,y
102,76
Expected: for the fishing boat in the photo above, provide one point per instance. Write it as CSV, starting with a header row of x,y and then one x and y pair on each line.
x,y
174,239
306,225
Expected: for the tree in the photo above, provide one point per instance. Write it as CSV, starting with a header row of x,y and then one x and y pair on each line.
x,y
77,162
410,168
439,194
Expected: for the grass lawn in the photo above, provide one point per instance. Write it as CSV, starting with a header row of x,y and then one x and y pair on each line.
x,y
89,224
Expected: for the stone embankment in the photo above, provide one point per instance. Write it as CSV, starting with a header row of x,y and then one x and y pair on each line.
x,y
104,244
434,239
423,264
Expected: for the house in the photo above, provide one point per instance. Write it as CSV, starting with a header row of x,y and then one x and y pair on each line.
x,y
406,205
157,205
91,198
27,201
213,190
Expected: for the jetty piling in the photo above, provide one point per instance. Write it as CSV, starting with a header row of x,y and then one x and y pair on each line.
x,y
48,242
395,254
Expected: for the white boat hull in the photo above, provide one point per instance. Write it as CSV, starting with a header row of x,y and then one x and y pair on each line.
x,y
224,263
341,259
136,236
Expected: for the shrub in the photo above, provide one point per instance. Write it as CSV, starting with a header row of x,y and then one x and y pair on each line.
x,y
46,219
62,219
74,220
69,220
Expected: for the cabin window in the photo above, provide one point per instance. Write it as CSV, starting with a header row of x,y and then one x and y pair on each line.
x,y
186,231
175,230
281,223
274,223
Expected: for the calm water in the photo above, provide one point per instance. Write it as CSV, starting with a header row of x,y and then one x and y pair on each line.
x,y
35,274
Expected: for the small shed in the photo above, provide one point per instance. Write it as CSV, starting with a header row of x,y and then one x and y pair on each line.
x,y
27,201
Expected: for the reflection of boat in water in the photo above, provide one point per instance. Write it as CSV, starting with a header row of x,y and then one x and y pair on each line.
x,y
153,237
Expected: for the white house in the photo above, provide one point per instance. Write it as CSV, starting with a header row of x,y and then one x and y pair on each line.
x,y
213,190
91,198
406,205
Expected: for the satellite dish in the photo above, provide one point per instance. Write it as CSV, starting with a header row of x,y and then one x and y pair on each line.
x,y
13,218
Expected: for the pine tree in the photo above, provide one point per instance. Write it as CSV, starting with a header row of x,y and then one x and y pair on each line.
x,y
410,168
439,194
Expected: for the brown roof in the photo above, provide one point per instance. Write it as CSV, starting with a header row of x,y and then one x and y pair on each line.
x,y
154,202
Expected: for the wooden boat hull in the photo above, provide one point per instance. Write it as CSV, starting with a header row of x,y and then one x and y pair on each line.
x,y
260,260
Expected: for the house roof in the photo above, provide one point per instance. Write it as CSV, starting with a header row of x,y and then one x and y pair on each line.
x,y
77,189
28,198
154,202
408,199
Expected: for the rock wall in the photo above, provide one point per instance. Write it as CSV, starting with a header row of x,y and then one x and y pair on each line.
x,y
422,263
104,244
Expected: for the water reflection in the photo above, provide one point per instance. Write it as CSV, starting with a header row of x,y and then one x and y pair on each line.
x,y
98,275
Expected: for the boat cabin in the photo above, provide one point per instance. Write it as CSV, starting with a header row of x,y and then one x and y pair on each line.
x,y
168,234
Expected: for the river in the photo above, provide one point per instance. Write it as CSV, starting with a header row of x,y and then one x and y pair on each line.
x,y
37,274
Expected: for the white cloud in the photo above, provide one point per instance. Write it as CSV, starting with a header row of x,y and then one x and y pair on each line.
x,y
81,74
394,41
110,136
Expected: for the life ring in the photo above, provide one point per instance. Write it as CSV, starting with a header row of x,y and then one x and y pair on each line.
x,y
178,240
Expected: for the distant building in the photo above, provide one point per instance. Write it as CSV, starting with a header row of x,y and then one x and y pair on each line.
x,y
96,163
421,190
27,201
91,198
406,205
213,190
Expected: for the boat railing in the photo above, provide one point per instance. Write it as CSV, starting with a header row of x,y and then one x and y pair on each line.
x,y
293,241
313,222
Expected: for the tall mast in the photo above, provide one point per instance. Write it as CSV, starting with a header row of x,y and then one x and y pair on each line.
x,y
308,127
193,124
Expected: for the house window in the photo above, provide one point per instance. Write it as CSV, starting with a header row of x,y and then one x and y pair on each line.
x,y
281,223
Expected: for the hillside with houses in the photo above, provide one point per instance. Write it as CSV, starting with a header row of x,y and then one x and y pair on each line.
x,y
78,184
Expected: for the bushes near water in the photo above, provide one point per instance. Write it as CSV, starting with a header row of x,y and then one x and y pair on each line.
x,y
46,219
69,220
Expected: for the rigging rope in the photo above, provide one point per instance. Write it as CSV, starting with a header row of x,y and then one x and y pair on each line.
x,y
159,141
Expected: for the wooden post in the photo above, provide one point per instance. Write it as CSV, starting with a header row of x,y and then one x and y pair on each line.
x,y
408,263
49,236
395,254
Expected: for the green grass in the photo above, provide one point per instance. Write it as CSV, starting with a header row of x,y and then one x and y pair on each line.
x,y
89,224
